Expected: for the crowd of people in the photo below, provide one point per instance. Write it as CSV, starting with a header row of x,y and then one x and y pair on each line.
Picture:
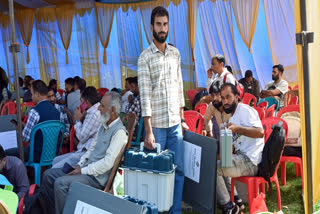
x,y
156,95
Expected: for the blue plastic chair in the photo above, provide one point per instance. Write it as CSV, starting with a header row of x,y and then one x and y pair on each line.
x,y
50,132
4,181
271,101
137,142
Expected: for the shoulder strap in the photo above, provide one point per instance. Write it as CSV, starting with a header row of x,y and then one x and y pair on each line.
x,y
225,77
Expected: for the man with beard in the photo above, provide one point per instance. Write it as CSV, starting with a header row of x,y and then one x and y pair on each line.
x,y
277,87
86,127
95,165
162,100
248,143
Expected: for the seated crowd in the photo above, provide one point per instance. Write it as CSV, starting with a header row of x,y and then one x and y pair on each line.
x,y
100,134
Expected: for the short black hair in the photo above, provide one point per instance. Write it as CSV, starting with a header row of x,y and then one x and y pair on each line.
x,y
28,80
214,88
69,81
219,58
233,88
229,68
134,80
40,87
50,89
81,83
52,83
128,79
90,93
20,81
76,78
158,11
2,153
115,90
248,74
280,68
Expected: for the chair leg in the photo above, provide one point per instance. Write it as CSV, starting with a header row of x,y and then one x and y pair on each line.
x,y
262,188
232,190
296,166
278,193
283,172
37,174
301,172
252,193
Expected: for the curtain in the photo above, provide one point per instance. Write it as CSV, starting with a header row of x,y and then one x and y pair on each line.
x,y
192,21
64,16
246,12
281,31
104,15
25,19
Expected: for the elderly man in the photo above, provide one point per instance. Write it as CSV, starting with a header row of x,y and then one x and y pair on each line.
x,y
95,165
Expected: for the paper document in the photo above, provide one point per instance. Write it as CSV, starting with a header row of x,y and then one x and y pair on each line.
x,y
192,161
84,208
8,139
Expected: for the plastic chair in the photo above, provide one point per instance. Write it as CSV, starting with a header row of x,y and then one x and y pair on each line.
x,y
201,108
270,111
9,108
50,132
291,159
294,100
137,142
267,124
191,94
263,104
61,92
296,87
195,121
4,181
71,135
9,201
102,91
271,101
247,98
261,112
25,105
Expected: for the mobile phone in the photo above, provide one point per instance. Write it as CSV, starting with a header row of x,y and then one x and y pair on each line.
x,y
67,168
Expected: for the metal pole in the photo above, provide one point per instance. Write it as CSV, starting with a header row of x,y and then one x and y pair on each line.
x,y
306,89
14,48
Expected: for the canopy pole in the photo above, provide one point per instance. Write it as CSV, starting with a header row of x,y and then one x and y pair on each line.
x,y
14,48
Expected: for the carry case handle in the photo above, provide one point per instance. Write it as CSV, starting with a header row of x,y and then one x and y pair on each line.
x,y
157,145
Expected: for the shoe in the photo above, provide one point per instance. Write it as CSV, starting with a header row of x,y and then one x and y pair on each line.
x,y
239,202
230,208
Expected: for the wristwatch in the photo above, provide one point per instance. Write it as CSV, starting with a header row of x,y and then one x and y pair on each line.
x,y
183,120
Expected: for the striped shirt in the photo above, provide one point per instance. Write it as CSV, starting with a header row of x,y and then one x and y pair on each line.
x,y
161,87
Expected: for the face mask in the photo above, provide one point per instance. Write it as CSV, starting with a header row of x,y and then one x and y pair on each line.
x,y
230,109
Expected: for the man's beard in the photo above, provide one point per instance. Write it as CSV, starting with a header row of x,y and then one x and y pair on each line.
x,y
159,39
217,105
231,108
104,118
275,78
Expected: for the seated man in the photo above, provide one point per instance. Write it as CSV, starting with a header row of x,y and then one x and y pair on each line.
x,y
95,165
43,111
86,127
277,87
14,96
15,171
27,97
250,84
125,95
60,108
73,97
135,107
248,142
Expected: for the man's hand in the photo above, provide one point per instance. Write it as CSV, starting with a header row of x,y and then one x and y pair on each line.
x,y
130,99
234,128
76,171
184,126
209,73
209,134
77,115
149,141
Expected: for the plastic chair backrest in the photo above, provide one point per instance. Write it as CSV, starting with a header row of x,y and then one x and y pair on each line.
x,y
261,112
9,199
25,105
102,91
61,92
271,101
288,109
10,107
289,88
247,97
294,100
191,94
195,121
71,135
130,127
267,124
50,131
201,108
138,137
270,111
263,104
296,87
4,181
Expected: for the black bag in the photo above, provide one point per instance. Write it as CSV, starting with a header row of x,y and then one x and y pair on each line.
x,y
272,152
198,96
30,203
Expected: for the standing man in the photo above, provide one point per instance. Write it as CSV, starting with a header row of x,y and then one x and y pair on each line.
x,y
161,94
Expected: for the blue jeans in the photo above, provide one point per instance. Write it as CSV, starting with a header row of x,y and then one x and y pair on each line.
x,y
171,139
